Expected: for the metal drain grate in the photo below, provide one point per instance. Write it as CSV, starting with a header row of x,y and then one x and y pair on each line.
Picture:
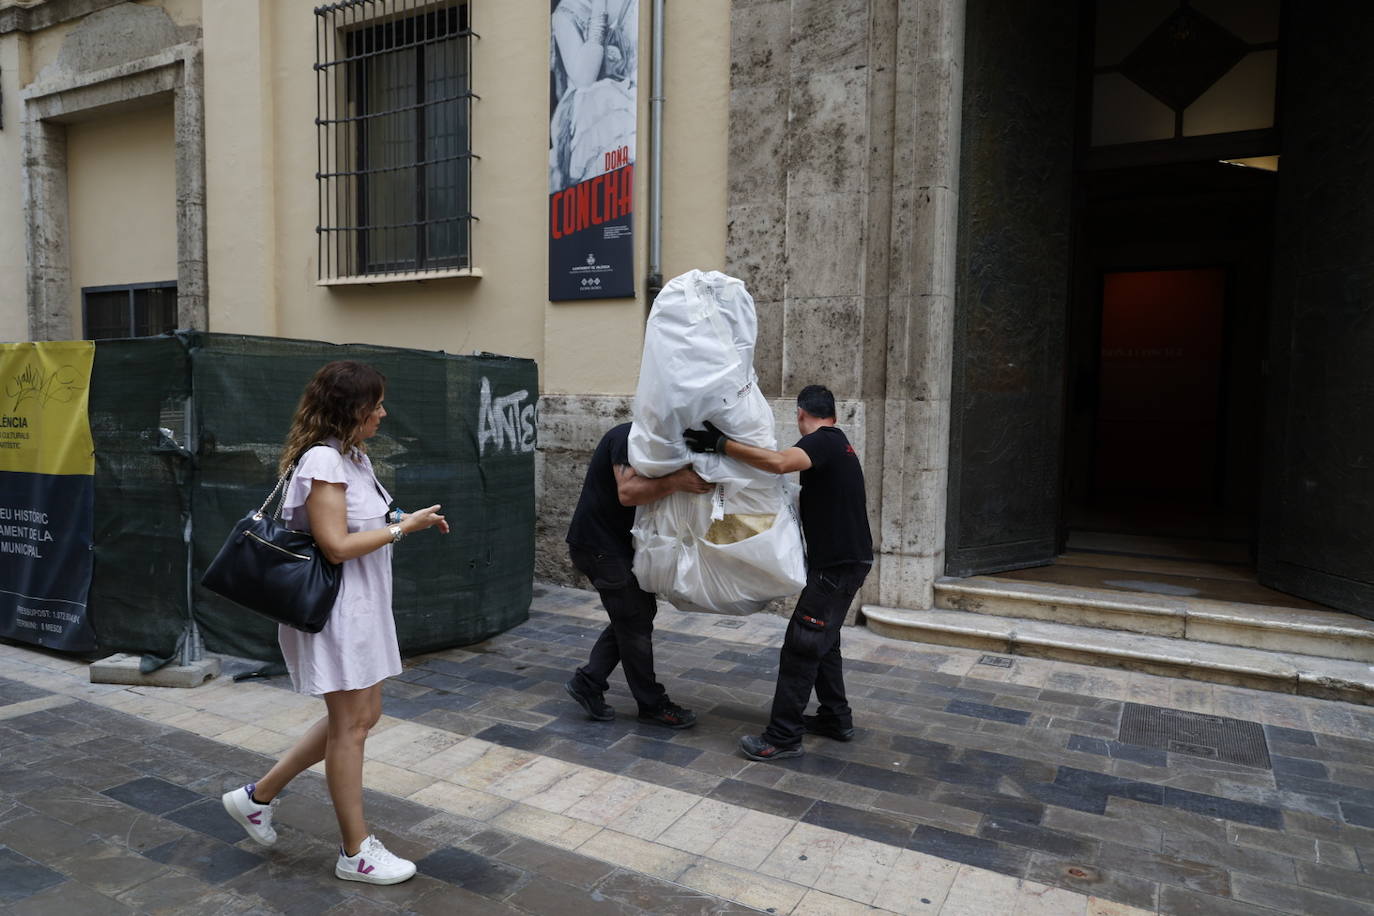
x,y
1195,734
995,661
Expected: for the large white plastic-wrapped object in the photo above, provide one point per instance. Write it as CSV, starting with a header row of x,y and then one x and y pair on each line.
x,y
739,546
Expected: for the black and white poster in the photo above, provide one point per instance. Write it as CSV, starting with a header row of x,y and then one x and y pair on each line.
x,y
593,61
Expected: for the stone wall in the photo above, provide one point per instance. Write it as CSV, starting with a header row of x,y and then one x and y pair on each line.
x,y
569,428
117,57
843,180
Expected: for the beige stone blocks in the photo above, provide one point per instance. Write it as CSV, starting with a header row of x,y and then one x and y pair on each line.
x,y
803,855
637,854
825,256
545,826
701,827
916,877
828,146
461,800
829,353
749,842
749,888
24,707
859,869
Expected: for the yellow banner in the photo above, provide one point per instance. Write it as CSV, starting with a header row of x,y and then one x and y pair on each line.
x,y
44,389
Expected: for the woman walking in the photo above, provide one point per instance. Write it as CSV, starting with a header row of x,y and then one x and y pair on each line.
x,y
334,495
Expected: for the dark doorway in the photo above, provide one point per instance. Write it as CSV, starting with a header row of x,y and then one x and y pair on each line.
x,y
1165,370
1106,139
1159,389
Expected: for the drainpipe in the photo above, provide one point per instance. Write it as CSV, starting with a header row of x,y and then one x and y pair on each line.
x,y
654,281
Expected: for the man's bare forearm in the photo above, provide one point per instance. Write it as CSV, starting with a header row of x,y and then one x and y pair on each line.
x,y
762,458
634,490
765,459
637,491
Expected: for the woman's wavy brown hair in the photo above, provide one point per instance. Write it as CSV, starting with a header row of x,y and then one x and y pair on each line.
x,y
335,404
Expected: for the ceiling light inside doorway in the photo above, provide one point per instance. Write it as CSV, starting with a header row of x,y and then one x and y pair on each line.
x,y
1267,163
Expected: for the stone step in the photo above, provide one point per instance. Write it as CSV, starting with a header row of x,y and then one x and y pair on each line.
x,y
1282,672
1325,634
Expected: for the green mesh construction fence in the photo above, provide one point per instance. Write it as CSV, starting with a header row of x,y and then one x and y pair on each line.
x,y
459,431
139,599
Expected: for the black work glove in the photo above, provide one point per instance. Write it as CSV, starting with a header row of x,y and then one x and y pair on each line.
x,y
709,439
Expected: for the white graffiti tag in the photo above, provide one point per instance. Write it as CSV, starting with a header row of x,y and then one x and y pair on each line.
x,y
503,423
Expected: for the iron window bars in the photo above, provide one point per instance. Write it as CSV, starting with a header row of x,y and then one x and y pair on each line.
x,y
134,310
393,125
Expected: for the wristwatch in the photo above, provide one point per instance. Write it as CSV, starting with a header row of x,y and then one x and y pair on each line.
x,y
397,532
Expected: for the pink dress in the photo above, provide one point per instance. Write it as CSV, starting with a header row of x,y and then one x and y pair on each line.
x,y
357,648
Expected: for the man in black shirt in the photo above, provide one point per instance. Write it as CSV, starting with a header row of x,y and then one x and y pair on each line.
x,y
839,554
601,548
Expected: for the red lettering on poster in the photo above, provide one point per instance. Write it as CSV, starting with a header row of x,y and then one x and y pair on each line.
x,y
591,203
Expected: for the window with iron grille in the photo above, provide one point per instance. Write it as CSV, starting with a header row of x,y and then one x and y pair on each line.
x,y
136,310
394,99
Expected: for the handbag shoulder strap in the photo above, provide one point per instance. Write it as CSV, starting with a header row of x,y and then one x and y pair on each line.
x,y
280,488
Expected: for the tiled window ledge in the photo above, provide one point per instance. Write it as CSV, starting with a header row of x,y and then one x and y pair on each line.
x,y
412,277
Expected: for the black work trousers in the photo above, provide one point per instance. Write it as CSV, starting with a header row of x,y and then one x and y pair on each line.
x,y
628,639
810,656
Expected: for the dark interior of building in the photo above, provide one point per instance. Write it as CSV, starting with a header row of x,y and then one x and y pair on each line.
x,y
1165,365
1161,360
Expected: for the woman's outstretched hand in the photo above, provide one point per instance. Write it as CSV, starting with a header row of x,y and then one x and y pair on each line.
x,y
421,519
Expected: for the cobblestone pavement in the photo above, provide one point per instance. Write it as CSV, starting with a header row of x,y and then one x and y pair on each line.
x,y
976,784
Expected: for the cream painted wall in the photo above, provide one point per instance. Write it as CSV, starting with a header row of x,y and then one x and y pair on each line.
x,y
240,228
43,48
261,206
696,122
14,323
595,347
44,45
121,179
261,195
183,12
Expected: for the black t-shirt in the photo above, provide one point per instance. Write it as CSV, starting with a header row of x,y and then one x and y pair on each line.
x,y
834,509
600,523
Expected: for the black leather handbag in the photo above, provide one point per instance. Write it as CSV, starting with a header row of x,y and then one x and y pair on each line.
x,y
280,573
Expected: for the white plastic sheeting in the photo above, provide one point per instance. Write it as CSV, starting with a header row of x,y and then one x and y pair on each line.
x,y
740,546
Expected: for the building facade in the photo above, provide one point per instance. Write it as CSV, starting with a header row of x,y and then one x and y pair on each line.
x,y
968,218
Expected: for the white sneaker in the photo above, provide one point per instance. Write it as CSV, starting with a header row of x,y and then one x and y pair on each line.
x,y
374,865
252,817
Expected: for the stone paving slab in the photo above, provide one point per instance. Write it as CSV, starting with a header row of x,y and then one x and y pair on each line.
x,y
159,841
975,784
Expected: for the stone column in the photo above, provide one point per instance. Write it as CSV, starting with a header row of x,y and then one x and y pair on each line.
x,y
843,179
756,209
45,208
189,120
920,327
809,187
810,203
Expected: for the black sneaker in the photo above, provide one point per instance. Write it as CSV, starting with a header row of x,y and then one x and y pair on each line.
x,y
756,748
827,728
669,714
593,703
